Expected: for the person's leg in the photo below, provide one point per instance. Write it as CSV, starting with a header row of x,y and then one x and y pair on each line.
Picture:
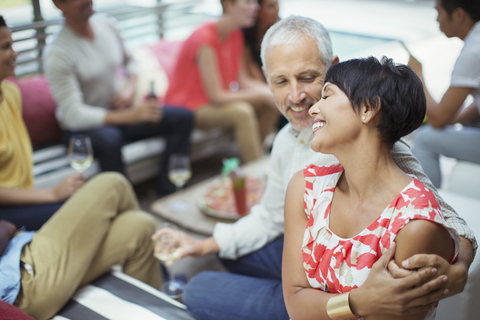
x,y
252,291
176,126
213,295
267,120
263,263
31,217
430,143
107,144
240,116
62,251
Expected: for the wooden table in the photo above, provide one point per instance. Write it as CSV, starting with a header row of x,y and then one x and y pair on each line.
x,y
193,219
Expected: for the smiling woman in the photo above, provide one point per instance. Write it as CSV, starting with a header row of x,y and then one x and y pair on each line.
x,y
345,217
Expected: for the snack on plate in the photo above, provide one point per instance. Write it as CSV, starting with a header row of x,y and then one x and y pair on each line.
x,y
219,200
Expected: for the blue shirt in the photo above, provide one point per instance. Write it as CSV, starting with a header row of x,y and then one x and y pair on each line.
x,y
10,266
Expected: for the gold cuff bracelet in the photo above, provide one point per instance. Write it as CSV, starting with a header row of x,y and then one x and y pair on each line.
x,y
338,307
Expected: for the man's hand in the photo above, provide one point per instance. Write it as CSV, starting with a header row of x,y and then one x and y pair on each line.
x,y
191,247
68,187
122,100
457,273
382,294
149,111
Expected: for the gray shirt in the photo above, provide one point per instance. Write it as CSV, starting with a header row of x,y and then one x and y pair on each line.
x,y
83,73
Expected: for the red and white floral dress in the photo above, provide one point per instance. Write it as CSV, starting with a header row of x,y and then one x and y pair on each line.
x,y
336,265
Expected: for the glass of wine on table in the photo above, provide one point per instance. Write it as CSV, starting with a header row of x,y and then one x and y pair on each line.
x,y
80,153
167,248
179,172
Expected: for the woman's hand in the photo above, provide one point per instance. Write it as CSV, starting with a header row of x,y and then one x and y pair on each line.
x,y
68,186
191,247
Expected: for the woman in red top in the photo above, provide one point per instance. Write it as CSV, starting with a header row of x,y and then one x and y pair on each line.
x,y
210,80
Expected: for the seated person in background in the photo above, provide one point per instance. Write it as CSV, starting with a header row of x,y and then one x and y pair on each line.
x,y
19,202
457,19
98,227
210,80
340,219
81,66
267,16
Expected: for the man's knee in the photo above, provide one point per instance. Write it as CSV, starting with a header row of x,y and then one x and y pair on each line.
x,y
110,179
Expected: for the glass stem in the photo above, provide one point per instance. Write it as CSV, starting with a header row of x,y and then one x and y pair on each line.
x,y
172,275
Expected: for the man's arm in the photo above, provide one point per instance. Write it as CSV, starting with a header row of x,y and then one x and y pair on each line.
x,y
456,273
470,113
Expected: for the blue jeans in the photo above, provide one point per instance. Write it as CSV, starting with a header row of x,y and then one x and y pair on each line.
x,y
107,141
431,142
253,289
31,217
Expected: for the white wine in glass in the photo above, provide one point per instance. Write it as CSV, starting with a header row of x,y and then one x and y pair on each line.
x,y
179,172
167,248
80,153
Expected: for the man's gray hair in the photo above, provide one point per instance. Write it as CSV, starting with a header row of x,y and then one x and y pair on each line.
x,y
291,29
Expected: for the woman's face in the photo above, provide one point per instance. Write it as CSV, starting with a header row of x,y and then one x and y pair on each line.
x,y
268,13
8,56
244,11
335,123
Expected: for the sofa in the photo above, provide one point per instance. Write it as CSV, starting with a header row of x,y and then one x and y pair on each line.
x,y
142,158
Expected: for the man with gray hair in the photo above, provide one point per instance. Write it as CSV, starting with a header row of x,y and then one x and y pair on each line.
x,y
296,53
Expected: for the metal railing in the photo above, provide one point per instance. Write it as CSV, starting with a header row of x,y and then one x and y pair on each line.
x,y
138,26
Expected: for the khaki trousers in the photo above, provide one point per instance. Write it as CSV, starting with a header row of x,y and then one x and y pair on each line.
x,y
99,226
251,125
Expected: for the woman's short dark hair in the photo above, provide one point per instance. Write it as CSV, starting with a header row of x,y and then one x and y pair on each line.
x,y
2,22
395,89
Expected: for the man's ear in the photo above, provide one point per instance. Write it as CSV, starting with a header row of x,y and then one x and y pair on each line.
x,y
459,15
335,60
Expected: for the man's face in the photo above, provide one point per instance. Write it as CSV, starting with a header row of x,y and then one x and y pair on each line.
x,y
77,10
295,75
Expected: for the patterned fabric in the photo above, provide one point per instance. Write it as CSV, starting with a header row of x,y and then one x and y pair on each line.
x,y
337,265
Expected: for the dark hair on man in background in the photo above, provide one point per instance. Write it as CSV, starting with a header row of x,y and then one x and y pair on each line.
x,y
2,22
471,7
395,89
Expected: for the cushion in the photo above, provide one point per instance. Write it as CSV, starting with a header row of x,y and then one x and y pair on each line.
x,y
149,69
38,109
9,312
167,53
121,297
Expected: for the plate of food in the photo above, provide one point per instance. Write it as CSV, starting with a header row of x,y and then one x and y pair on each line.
x,y
219,202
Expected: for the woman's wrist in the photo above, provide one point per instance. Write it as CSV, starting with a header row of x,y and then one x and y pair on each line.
x,y
338,307
357,306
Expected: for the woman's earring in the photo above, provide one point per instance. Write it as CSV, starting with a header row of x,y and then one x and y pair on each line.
x,y
363,118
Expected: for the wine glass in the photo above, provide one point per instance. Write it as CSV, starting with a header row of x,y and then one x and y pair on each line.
x,y
80,153
167,247
179,172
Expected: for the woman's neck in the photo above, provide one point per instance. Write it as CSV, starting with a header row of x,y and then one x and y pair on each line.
x,y
370,171
225,26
